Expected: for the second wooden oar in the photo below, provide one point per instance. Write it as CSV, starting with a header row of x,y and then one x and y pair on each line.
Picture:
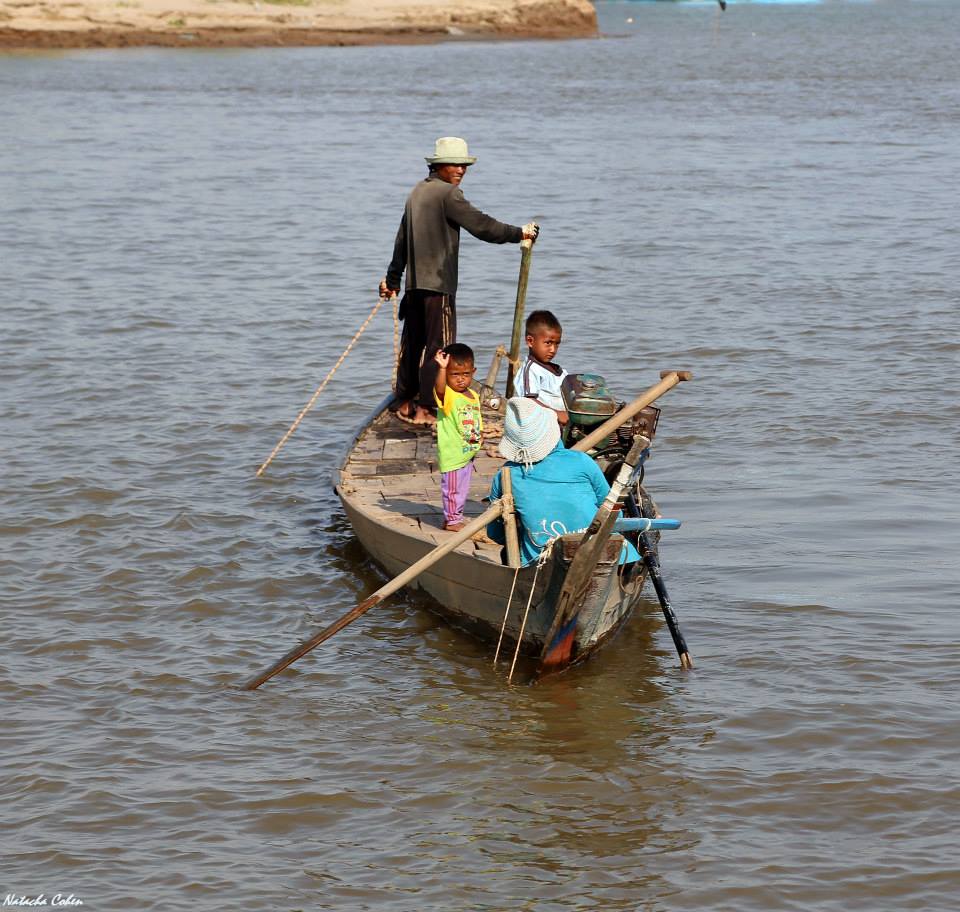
x,y
398,582
558,643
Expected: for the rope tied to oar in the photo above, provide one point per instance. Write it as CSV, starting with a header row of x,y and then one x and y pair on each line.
x,y
506,614
396,344
327,379
541,562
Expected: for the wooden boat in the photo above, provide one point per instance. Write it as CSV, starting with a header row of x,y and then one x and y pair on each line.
x,y
389,485
566,605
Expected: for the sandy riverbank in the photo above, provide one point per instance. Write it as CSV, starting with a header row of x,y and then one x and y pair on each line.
x,y
247,23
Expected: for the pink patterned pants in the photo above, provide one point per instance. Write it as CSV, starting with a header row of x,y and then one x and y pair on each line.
x,y
454,488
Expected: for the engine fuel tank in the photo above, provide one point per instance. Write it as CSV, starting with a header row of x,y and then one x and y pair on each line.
x,y
587,399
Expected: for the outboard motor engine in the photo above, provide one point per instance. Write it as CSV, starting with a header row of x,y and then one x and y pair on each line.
x,y
589,403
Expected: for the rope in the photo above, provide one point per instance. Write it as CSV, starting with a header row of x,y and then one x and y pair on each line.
x,y
503,626
638,579
636,583
313,398
541,560
396,344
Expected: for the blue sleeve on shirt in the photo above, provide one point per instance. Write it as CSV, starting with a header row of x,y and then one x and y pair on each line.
x,y
597,480
552,498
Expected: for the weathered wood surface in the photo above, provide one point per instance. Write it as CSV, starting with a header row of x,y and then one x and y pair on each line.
x,y
389,484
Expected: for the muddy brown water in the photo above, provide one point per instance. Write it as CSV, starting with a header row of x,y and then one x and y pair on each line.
x,y
189,240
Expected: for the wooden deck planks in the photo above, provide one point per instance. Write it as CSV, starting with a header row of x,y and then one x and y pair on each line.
x,y
393,471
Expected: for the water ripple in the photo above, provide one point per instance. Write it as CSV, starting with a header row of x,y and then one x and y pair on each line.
x,y
763,198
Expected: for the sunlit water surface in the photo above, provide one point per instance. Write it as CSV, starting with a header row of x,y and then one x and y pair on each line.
x,y
766,197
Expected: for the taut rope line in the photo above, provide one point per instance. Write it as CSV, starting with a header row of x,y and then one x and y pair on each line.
x,y
541,560
313,398
523,623
396,344
506,613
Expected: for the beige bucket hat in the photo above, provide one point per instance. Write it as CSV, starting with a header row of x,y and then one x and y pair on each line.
x,y
451,150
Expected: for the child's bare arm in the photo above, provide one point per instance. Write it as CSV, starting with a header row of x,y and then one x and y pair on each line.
x,y
440,385
562,416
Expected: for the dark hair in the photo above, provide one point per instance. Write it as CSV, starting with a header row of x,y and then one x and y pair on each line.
x,y
460,353
542,319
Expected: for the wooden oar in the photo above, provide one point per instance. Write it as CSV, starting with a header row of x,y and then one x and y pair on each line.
x,y
669,379
491,378
526,251
488,389
413,571
649,552
558,643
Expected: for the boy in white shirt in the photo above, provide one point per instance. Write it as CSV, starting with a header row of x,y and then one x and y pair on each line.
x,y
539,378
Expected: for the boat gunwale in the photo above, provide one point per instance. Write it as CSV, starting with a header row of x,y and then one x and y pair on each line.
x,y
347,450
484,558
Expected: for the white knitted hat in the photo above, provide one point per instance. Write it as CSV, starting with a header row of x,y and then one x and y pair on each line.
x,y
451,150
530,431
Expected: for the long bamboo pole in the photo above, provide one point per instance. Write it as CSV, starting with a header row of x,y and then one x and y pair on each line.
x,y
398,582
320,388
510,520
526,252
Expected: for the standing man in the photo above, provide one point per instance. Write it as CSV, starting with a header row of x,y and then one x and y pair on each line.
x,y
428,246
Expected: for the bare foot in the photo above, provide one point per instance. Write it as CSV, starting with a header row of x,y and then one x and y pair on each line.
x,y
418,416
452,527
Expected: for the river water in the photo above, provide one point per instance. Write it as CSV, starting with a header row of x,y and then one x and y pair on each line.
x,y
766,197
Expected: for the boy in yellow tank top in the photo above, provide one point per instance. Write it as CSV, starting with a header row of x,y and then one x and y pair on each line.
x,y
459,429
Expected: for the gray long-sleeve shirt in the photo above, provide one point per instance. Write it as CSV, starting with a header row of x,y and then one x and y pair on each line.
x,y
428,240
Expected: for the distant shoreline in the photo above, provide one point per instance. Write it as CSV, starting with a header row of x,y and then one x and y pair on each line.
x,y
61,24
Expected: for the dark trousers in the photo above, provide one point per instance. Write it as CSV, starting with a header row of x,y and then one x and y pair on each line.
x,y
429,324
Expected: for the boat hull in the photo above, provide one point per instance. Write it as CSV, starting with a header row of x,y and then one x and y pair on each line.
x,y
389,487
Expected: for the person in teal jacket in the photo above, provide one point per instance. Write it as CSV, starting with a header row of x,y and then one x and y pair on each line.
x,y
555,490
